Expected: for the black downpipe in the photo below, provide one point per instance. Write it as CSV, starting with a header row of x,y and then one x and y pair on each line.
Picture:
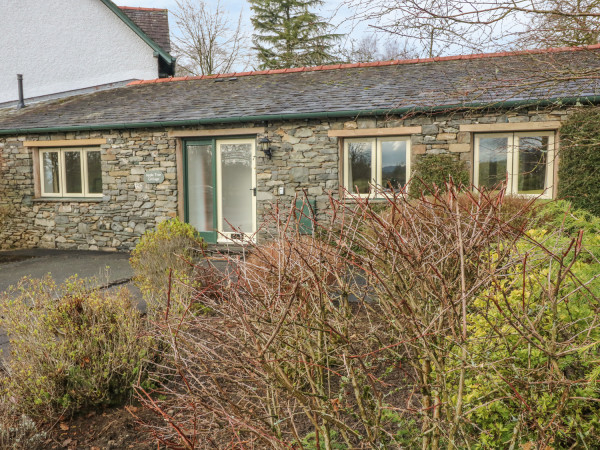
x,y
21,103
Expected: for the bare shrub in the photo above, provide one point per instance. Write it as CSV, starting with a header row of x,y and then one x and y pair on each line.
x,y
394,327
276,356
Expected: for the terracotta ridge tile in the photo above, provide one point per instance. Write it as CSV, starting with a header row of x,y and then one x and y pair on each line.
x,y
397,62
137,8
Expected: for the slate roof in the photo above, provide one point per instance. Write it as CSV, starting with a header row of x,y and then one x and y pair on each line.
x,y
154,22
340,91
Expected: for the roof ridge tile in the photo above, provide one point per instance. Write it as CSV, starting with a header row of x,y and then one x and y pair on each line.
x,y
398,62
138,8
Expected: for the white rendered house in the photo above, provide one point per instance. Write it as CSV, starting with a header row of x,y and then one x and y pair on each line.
x,y
63,47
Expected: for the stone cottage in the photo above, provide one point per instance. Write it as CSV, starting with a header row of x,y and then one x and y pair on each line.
x,y
95,171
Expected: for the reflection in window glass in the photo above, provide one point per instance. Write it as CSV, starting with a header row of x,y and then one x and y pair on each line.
x,y
94,172
359,167
200,185
71,172
533,152
50,173
393,164
73,183
492,161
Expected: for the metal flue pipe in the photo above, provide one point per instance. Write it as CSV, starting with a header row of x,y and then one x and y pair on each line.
x,y
21,103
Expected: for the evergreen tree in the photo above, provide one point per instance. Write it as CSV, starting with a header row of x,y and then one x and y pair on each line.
x,y
288,34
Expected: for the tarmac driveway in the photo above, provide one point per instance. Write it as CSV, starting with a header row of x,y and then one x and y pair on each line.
x,y
109,268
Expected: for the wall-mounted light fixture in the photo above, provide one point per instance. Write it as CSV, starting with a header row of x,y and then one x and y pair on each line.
x,y
265,145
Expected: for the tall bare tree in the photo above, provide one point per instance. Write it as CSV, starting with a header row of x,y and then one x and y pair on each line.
x,y
210,42
571,23
454,26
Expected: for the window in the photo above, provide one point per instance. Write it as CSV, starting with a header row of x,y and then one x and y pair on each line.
x,y
527,158
382,162
70,172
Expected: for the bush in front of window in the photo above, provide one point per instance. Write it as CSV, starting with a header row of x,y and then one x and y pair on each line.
x,y
431,323
579,167
429,171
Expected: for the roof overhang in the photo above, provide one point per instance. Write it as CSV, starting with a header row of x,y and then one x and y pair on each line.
x,y
554,102
158,50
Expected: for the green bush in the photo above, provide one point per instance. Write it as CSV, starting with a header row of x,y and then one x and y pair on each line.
x,y
561,214
172,245
72,346
578,174
543,387
430,170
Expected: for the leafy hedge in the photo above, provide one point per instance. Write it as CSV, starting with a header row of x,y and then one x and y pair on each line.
x,y
430,170
579,168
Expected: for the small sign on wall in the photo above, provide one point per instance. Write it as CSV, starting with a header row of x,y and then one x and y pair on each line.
x,y
154,177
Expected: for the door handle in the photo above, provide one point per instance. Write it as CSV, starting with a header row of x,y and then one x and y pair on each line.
x,y
253,191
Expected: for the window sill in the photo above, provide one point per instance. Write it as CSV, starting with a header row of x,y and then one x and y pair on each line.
x,y
69,199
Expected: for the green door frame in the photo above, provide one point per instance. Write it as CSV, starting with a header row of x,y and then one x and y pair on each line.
x,y
209,237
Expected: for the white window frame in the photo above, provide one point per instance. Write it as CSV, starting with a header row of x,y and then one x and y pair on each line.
x,y
62,171
376,160
512,160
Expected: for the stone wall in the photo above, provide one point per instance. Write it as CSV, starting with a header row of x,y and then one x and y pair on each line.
x,y
114,222
305,159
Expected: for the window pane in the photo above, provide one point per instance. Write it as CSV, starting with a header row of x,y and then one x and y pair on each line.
x,y
492,161
533,159
94,172
393,164
359,166
200,186
73,173
50,173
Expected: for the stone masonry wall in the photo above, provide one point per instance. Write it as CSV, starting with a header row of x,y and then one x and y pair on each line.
x,y
305,158
114,222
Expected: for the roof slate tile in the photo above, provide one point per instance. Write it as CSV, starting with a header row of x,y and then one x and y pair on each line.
x,y
365,87
153,22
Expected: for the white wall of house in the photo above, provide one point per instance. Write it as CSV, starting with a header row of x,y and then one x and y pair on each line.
x,y
64,45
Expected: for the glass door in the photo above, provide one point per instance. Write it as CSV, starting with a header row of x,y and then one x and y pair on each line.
x,y
220,188
200,191
237,188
